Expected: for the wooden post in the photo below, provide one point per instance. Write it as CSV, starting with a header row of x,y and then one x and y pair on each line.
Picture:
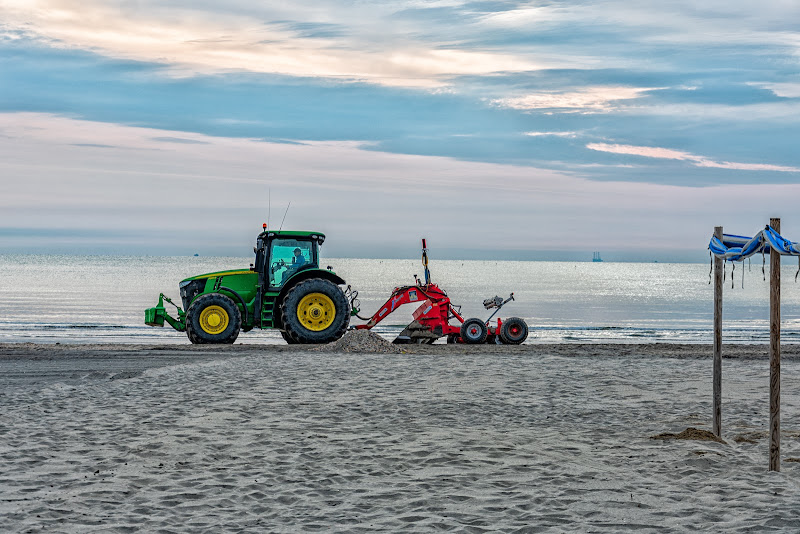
x,y
775,354
716,417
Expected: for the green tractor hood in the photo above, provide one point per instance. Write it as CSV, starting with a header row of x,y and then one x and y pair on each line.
x,y
218,273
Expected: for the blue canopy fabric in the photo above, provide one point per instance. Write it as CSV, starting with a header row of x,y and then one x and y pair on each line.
x,y
738,248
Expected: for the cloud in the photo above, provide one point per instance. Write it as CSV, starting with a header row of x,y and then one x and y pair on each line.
x,y
335,187
570,135
677,21
745,166
351,44
490,72
521,17
645,151
589,99
402,43
94,145
781,89
179,140
698,161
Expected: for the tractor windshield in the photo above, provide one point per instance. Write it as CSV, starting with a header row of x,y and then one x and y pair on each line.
x,y
288,256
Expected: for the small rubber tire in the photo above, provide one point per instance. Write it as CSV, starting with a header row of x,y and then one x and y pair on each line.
x,y
452,338
474,331
194,330
296,330
513,331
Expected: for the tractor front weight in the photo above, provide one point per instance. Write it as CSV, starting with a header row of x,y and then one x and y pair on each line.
x,y
156,316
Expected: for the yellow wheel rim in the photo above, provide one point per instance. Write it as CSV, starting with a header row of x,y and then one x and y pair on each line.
x,y
316,311
214,320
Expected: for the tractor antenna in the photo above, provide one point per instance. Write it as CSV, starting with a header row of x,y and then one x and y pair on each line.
x,y
269,204
284,216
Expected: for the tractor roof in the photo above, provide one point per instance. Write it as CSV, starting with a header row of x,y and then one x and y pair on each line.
x,y
295,234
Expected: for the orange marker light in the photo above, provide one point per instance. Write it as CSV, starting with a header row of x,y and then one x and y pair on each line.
x,y
265,226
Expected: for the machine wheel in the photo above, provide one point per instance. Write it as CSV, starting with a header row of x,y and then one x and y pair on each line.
x,y
474,331
213,318
514,331
452,338
288,339
315,311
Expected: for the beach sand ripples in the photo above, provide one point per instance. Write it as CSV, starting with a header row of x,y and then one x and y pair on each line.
x,y
463,441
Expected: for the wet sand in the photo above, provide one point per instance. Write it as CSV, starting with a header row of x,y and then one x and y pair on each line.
x,y
255,438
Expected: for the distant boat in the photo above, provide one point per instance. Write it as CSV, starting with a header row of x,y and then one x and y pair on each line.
x,y
596,257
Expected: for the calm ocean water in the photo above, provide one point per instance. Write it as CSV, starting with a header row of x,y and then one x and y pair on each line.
x,y
71,299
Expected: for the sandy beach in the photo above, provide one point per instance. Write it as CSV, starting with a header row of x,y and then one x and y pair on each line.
x,y
253,438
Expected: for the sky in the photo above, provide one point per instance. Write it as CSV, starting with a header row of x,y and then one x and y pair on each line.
x,y
504,130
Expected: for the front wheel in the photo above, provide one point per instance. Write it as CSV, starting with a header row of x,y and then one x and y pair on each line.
x,y
474,331
213,318
315,311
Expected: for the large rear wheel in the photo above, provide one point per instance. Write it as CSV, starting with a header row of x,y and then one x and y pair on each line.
x,y
213,318
514,331
315,311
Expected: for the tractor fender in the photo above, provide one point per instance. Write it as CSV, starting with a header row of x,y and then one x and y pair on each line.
x,y
294,280
241,301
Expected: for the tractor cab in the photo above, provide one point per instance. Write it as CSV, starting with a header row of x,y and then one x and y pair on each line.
x,y
281,255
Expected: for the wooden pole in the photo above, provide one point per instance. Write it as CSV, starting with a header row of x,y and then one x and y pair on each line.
x,y
775,354
716,417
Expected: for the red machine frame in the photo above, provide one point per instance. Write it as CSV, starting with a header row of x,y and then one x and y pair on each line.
x,y
434,313
432,317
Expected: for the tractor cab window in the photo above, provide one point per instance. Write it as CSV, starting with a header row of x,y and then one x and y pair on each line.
x,y
287,257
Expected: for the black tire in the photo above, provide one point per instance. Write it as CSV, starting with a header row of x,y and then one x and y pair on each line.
x,y
193,339
453,338
514,331
302,330
288,339
474,331
199,327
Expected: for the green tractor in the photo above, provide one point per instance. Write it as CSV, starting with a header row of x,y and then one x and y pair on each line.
x,y
285,289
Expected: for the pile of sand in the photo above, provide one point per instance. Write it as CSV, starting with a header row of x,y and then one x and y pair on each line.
x,y
361,341
690,433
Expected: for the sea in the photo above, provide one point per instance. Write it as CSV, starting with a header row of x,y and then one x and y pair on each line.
x,y
101,299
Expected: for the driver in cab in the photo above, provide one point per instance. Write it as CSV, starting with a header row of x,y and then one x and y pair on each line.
x,y
297,262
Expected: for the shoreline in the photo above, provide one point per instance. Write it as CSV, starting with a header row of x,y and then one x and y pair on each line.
x,y
789,351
